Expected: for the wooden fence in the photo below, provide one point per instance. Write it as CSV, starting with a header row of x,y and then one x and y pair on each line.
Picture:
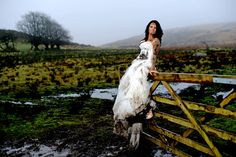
x,y
183,128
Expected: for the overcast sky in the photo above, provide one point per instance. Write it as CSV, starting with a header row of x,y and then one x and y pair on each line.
x,y
98,22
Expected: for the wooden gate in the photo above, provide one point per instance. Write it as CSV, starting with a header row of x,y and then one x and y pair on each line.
x,y
185,126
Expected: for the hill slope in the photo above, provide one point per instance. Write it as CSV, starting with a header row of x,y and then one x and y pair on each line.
x,y
20,36
220,34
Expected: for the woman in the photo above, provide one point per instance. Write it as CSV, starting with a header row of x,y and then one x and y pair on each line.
x,y
133,90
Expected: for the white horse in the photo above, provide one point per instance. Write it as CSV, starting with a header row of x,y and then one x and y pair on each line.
x,y
133,95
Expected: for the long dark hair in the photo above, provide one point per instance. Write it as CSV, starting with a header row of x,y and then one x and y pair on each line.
x,y
158,33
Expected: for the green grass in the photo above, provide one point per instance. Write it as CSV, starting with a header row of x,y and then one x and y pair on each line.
x,y
90,112
32,74
225,124
28,75
22,46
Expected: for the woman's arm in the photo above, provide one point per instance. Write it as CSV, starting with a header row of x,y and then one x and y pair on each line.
x,y
156,50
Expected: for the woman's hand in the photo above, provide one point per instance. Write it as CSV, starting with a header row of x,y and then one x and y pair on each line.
x,y
153,72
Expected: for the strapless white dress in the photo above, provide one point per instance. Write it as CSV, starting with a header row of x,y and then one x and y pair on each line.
x,y
133,90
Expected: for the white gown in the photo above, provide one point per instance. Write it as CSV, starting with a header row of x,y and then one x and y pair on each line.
x,y
133,90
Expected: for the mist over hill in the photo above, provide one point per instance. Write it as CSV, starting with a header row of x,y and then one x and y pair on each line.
x,y
214,35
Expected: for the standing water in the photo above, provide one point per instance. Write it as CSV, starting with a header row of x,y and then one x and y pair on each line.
x,y
109,93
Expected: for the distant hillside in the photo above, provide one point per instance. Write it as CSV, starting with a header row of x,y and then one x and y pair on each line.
x,y
23,37
216,35
20,36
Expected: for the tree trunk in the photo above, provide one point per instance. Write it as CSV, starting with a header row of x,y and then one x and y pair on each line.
x,y
58,46
52,46
46,46
36,47
7,45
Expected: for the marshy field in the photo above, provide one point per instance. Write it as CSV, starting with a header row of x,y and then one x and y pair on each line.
x,y
46,105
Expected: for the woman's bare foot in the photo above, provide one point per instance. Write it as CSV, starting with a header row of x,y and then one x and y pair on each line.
x,y
149,115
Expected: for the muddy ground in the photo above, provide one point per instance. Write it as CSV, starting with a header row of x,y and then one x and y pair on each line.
x,y
90,134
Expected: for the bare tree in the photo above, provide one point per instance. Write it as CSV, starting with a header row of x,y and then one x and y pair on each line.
x,y
43,30
31,24
59,35
46,31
